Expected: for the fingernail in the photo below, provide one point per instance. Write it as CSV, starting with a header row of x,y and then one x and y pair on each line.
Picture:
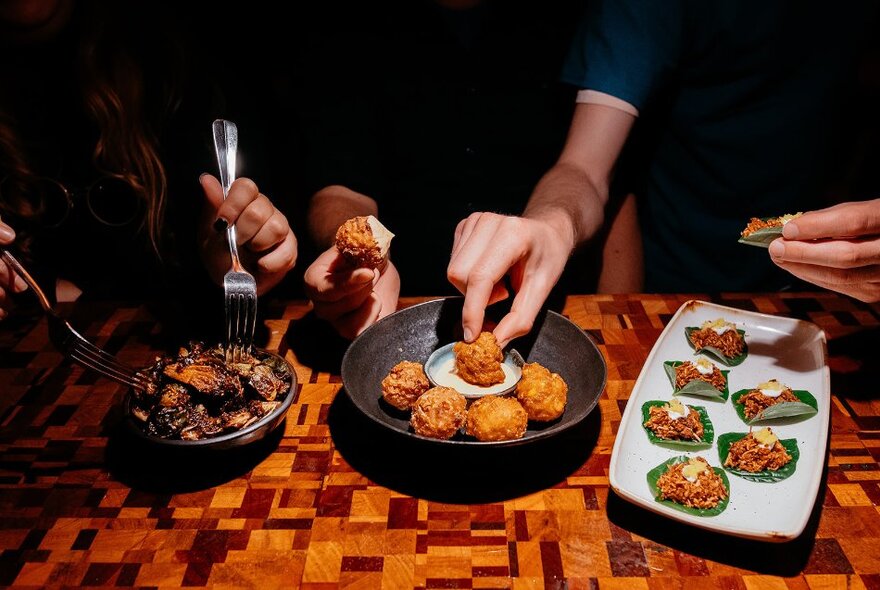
x,y
6,233
201,176
468,334
220,225
20,285
790,231
777,249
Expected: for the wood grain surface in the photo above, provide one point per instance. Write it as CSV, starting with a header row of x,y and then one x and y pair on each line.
x,y
330,500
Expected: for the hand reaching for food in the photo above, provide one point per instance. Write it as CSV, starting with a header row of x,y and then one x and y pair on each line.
x,y
837,248
268,246
353,283
9,281
487,246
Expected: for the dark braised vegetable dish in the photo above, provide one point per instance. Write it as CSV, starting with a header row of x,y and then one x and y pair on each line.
x,y
197,395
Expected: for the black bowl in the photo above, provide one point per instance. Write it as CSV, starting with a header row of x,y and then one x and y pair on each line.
x,y
412,334
254,432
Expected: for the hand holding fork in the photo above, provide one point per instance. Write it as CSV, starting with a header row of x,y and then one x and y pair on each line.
x,y
239,286
72,343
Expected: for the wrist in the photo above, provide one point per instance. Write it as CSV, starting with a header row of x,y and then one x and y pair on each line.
x,y
559,224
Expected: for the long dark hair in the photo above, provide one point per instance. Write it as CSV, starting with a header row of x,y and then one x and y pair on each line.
x,y
112,84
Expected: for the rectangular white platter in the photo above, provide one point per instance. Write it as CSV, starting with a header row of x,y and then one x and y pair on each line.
x,y
792,351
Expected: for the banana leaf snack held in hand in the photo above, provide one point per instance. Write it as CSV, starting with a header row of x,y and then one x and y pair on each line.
x,y
761,231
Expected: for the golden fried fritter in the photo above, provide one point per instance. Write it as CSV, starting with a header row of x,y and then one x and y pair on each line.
x,y
363,241
543,394
496,418
439,413
479,362
404,384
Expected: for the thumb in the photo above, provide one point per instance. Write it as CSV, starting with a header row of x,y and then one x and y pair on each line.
x,y
212,189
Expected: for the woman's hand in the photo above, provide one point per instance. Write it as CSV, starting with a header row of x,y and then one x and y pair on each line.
x,y
837,248
266,243
9,281
350,299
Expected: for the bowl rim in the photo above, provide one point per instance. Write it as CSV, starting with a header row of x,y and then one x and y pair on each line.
x,y
223,438
544,433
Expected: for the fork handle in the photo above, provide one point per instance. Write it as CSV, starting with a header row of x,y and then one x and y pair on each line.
x,y
9,259
226,146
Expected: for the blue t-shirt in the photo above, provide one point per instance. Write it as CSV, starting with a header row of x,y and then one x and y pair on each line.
x,y
741,106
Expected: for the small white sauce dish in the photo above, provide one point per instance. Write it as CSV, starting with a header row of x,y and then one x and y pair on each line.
x,y
440,369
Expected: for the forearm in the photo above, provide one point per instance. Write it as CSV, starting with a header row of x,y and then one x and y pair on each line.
x,y
331,206
571,201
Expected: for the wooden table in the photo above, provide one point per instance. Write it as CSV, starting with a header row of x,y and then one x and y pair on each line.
x,y
331,501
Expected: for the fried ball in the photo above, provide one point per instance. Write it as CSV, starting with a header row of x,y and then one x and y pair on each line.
x,y
439,413
479,362
543,394
496,418
364,242
404,384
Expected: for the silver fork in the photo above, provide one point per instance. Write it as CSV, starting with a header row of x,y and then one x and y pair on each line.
x,y
71,343
239,286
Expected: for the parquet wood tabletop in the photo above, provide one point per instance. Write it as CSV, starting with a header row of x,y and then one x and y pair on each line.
x,y
330,500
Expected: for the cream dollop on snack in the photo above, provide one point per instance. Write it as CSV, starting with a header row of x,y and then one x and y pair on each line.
x,y
772,388
675,410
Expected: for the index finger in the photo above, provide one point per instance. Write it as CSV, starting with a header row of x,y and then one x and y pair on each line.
x,y
841,221
476,298
486,272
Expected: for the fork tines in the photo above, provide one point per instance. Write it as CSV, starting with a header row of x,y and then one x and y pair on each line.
x,y
241,316
71,342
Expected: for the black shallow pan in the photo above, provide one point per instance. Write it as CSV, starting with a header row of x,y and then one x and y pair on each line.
x,y
413,333
256,431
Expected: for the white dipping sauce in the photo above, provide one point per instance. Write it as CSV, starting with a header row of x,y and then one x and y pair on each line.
x,y
444,374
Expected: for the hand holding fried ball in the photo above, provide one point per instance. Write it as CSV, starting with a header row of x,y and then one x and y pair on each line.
x,y
494,418
479,362
439,413
404,384
364,242
354,283
543,394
